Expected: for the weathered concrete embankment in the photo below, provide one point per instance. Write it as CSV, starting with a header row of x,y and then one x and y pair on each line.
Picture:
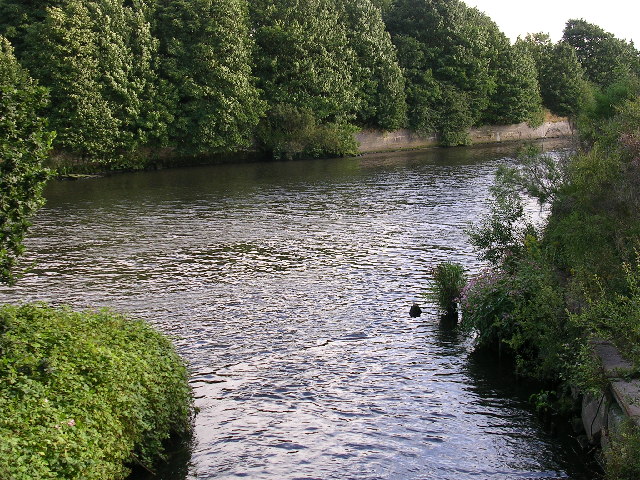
x,y
377,141
603,415
369,141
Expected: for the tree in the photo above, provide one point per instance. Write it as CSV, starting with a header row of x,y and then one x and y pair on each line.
x,y
377,76
17,17
562,82
517,95
560,75
305,67
605,58
63,53
449,54
98,58
24,144
206,55
303,57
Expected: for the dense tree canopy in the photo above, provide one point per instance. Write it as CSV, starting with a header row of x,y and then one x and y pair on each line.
x,y
517,94
605,58
24,143
560,75
303,57
293,77
206,58
376,74
460,69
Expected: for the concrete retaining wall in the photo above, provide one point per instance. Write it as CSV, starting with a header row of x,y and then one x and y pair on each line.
x,y
604,414
377,141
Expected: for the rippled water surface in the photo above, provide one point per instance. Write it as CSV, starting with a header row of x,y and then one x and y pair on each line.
x,y
287,288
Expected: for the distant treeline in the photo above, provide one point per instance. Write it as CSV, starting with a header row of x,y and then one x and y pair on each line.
x,y
292,77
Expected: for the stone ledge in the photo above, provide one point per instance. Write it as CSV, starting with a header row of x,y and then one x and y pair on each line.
x,y
613,364
627,395
370,141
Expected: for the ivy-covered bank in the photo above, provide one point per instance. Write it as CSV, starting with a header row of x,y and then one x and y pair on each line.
x,y
85,395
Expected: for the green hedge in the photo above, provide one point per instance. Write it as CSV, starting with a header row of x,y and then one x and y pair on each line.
x,y
83,395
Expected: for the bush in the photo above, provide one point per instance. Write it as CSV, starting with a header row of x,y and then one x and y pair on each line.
x,y
448,281
84,394
288,133
622,457
614,316
520,313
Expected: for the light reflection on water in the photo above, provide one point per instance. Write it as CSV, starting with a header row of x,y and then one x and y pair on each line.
x,y
287,288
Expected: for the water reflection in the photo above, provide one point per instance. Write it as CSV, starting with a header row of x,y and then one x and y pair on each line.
x,y
287,287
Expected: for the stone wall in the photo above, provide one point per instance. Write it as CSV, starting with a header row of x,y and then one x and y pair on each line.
x,y
377,141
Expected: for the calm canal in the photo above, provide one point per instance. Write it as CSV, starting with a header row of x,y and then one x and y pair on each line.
x,y
287,288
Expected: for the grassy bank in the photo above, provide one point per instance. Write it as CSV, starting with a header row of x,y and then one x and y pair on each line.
x,y
85,395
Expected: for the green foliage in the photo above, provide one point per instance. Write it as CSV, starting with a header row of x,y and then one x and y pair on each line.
x,y
600,120
501,236
596,220
518,306
605,59
24,144
517,95
552,403
563,88
306,66
453,60
63,54
448,281
84,393
303,58
537,303
206,58
562,84
519,311
614,316
129,77
97,58
622,456
290,133
377,76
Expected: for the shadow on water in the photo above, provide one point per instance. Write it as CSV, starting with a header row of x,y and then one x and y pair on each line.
x,y
174,467
448,334
494,379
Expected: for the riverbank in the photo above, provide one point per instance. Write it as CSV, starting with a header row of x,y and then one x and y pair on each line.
x,y
73,167
564,300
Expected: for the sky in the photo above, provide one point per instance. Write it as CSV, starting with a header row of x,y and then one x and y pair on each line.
x,y
517,17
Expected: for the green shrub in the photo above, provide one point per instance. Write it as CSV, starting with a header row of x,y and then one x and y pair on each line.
x,y
622,456
486,306
614,316
289,132
520,313
448,281
84,394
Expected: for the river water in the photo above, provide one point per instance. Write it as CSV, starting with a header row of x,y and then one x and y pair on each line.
x,y
286,287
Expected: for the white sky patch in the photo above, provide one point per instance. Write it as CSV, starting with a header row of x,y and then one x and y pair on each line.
x,y
620,17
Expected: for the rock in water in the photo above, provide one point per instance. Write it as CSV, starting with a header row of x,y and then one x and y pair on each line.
x,y
415,311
